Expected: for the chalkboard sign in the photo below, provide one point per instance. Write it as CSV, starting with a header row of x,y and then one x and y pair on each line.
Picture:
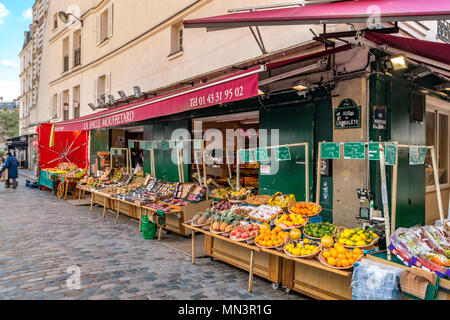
x,y
154,145
197,144
131,144
164,145
379,117
243,156
417,155
331,150
282,153
390,154
148,146
261,154
142,145
326,167
354,150
374,151
347,115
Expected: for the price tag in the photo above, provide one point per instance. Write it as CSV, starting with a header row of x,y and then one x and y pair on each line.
x,y
131,144
374,151
262,154
354,150
331,150
282,154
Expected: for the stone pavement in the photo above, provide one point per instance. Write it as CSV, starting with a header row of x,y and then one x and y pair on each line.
x,y
42,236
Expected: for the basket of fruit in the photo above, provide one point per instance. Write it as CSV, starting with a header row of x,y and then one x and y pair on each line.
x,y
270,238
264,213
203,219
340,257
244,232
224,221
316,231
306,209
284,201
305,249
257,200
291,221
237,196
356,238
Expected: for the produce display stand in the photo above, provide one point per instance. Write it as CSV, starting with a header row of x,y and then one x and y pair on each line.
x,y
125,207
444,284
66,182
247,257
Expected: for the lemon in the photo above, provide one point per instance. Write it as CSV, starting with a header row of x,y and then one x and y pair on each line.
x,y
296,252
342,241
306,240
349,243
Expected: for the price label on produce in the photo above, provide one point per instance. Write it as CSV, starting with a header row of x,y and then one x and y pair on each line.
x,y
282,154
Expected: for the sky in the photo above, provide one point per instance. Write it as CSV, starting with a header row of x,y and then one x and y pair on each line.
x,y
15,18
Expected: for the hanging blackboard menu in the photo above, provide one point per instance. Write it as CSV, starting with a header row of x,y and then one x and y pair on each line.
x,y
390,154
347,115
261,154
282,154
374,151
417,155
131,144
325,167
354,150
171,144
243,156
142,145
164,145
331,150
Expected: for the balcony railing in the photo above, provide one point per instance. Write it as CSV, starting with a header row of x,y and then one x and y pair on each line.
x,y
443,30
66,63
77,57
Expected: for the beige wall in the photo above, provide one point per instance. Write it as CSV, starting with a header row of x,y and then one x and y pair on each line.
x,y
432,208
145,62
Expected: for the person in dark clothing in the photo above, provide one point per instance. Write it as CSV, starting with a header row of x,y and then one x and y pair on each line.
x,y
136,158
13,173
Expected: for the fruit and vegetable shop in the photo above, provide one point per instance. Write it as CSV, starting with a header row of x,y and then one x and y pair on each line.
x,y
315,169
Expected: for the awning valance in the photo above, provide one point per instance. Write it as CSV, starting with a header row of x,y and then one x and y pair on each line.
x,y
337,12
240,86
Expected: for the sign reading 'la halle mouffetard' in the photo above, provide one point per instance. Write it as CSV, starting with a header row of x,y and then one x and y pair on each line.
x,y
347,115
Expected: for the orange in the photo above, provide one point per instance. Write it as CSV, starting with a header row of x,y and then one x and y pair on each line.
x,y
269,243
263,243
349,255
326,254
357,251
345,263
331,261
351,261
266,238
356,256
338,264
341,250
277,229
341,256
334,253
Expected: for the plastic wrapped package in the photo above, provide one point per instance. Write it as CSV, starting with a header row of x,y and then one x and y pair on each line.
x,y
376,281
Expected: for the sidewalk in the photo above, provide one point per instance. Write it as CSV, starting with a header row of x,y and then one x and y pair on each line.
x,y
27,174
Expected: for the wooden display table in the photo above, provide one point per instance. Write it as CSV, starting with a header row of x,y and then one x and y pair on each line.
x,y
247,257
444,284
63,186
311,278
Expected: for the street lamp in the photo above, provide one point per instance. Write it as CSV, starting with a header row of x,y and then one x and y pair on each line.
x,y
64,17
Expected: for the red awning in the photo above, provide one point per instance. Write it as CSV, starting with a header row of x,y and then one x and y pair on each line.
x,y
436,51
338,12
240,86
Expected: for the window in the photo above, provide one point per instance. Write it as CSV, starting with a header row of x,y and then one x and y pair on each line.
x,y
102,87
104,25
176,44
76,102
66,54
77,48
65,103
437,135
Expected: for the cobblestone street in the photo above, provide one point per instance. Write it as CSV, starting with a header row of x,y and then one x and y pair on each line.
x,y
42,236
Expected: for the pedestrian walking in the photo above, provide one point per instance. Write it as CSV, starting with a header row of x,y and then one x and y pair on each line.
x,y
13,173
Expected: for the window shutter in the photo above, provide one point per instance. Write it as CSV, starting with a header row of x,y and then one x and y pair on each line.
x,y
95,91
98,22
59,104
107,84
110,20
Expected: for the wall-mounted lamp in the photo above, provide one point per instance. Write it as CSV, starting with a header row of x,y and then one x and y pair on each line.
x,y
111,99
101,103
123,96
443,87
64,17
92,106
137,92
399,62
420,72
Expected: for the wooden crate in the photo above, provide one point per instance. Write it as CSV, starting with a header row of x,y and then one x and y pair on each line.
x,y
175,224
125,208
266,265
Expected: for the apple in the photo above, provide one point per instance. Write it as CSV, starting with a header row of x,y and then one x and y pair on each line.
x,y
233,233
255,227
238,235
246,235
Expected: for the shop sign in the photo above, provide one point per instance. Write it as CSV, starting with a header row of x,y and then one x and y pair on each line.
x,y
131,144
347,115
390,154
282,154
417,155
331,150
142,145
355,150
261,154
148,146
155,145
379,117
